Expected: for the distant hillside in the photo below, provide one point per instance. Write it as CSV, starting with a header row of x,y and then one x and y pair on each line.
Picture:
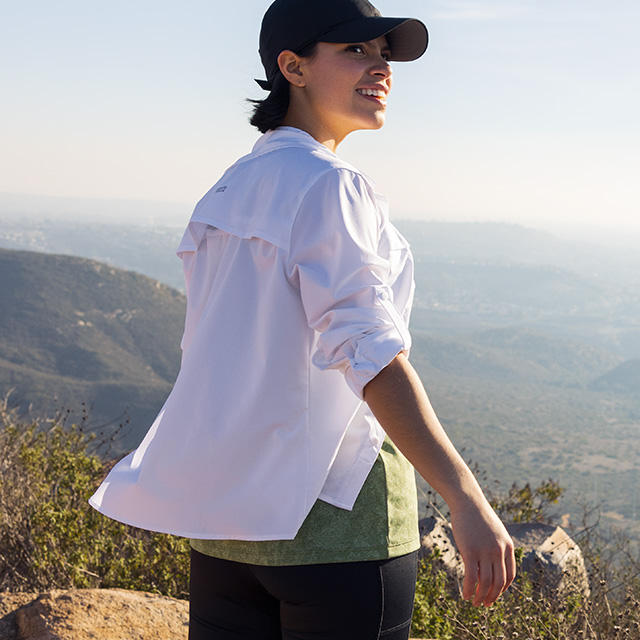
x,y
469,275
507,292
147,249
514,355
497,243
74,330
624,378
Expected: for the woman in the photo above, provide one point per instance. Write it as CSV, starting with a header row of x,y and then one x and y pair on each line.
x,y
300,507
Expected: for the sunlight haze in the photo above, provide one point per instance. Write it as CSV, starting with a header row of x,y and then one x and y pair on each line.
x,y
520,111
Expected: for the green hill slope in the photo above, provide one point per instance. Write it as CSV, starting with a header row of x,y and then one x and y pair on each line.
x,y
511,355
75,330
624,378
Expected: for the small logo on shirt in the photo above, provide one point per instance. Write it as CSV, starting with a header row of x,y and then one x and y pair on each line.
x,y
221,189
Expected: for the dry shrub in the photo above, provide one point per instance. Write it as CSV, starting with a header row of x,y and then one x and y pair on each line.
x,y
611,611
49,535
51,538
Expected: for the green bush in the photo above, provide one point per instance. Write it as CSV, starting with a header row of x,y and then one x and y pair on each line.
x,y
51,538
522,612
610,611
49,535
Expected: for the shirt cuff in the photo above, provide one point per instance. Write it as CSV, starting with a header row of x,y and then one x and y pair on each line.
x,y
374,348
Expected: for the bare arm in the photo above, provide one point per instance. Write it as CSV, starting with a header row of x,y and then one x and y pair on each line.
x,y
398,400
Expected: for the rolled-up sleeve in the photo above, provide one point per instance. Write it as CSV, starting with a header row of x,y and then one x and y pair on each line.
x,y
335,260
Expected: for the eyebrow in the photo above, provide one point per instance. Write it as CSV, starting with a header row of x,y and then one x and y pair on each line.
x,y
385,49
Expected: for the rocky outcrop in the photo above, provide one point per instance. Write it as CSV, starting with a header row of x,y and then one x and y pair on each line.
x,y
96,614
550,557
437,536
9,603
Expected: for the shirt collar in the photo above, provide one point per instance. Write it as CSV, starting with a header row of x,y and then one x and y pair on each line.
x,y
283,137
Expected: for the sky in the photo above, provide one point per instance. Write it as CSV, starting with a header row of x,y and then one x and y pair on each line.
x,y
522,111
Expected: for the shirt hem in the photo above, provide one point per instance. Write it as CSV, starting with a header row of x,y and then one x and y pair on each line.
x,y
321,556
156,527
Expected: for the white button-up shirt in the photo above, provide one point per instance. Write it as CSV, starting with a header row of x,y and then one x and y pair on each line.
x,y
298,293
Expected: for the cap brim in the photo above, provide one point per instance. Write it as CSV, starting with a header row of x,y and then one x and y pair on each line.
x,y
408,38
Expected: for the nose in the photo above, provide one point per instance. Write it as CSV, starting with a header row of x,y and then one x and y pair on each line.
x,y
382,69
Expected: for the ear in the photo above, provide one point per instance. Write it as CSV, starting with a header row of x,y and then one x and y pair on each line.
x,y
290,64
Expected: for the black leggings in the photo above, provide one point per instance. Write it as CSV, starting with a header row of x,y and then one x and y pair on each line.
x,y
351,600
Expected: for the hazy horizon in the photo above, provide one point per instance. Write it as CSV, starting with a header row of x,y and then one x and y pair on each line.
x,y
121,211
520,111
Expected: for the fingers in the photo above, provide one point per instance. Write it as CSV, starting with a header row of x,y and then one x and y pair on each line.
x,y
486,579
489,584
484,585
510,565
470,580
487,551
498,583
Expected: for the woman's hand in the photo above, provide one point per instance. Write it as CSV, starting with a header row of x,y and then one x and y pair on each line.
x,y
398,400
487,552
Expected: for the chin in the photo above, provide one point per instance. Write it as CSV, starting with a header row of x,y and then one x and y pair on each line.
x,y
379,123
374,123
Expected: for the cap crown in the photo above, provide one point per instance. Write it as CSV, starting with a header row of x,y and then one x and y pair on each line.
x,y
291,24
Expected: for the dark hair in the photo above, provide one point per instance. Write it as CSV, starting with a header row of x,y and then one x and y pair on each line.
x,y
270,112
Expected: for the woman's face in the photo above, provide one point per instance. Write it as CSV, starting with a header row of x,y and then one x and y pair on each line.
x,y
344,88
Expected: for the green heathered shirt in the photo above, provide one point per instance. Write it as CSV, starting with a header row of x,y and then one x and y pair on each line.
x,y
383,524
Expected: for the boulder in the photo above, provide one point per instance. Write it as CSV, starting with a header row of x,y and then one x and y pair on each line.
x,y
437,536
550,557
9,603
97,614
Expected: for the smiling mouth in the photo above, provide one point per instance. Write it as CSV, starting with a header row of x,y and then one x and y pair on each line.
x,y
373,93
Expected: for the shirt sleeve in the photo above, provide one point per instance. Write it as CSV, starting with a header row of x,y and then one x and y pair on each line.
x,y
335,260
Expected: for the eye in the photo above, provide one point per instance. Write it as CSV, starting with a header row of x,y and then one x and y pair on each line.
x,y
361,49
356,48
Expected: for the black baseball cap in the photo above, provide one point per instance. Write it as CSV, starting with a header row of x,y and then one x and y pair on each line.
x,y
295,24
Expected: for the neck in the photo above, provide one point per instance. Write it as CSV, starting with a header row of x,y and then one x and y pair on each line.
x,y
303,118
329,140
